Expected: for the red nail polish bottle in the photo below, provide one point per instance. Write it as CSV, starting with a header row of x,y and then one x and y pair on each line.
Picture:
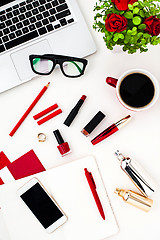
x,y
63,147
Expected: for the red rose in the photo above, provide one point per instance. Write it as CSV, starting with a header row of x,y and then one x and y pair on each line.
x,y
115,23
122,5
152,25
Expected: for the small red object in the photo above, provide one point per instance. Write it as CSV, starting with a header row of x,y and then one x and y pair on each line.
x,y
50,116
63,148
83,97
112,81
26,165
4,161
105,134
29,109
92,186
44,112
1,181
110,130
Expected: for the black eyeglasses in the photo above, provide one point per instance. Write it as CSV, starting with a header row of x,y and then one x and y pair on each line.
x,y
70,66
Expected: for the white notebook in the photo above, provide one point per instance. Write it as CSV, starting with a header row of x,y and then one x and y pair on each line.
x,y
69,186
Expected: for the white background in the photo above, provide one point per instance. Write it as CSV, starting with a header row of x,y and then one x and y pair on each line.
x,y
139,139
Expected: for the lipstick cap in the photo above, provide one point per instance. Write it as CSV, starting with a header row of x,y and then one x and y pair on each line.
x,y
58,136
93,123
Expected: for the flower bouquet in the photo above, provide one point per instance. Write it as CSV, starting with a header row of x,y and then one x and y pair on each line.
x,y
129,23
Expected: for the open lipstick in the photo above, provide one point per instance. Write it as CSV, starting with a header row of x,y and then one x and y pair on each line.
x,y
74,111
110,130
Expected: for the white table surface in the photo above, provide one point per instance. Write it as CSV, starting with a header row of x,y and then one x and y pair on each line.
x,y
139,139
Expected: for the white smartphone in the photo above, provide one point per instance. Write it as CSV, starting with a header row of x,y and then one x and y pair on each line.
x,y
42,205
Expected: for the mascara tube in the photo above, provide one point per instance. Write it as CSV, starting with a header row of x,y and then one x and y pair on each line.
x,y
74,111
111,130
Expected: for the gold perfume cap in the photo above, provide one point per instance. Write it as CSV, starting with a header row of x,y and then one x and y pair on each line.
x,y
117,191
120,192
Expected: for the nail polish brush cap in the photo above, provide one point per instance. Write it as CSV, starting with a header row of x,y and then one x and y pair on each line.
x,y
58,136
93,123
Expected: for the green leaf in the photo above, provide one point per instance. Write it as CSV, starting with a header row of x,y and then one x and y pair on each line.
x,y
128,15
142,26
109,37
143,41
146,35
121,12
132,40
126,41
134,29
141,3
139,34
129,32
127,38
130,6
134,33
137,20
98,15
115,39
135,4
135,10
142,13
121,36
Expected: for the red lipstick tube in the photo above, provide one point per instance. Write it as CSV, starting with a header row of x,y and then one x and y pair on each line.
x,y
63,147
74,111
110,130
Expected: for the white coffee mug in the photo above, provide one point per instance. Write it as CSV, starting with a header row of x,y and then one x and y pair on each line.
x,y
117,83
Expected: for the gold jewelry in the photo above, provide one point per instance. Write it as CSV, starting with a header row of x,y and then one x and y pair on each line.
x,y
41,137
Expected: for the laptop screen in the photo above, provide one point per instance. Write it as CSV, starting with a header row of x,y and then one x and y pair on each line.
x,y
3,2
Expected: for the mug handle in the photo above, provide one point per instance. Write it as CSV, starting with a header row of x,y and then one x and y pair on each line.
x,y
112,81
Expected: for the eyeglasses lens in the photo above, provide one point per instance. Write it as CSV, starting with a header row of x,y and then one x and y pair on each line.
x,y
72,68
42,65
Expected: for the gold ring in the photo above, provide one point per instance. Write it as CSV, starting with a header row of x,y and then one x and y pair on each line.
x,y
41,137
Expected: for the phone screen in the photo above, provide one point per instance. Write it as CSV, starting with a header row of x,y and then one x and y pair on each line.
x,y
41,205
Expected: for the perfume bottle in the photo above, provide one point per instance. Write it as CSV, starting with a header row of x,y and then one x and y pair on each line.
x,y
136,173
135,199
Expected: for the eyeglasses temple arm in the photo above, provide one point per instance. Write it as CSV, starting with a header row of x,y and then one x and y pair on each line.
x,y
80,70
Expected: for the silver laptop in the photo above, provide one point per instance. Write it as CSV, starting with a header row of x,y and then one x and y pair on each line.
x,y
38,27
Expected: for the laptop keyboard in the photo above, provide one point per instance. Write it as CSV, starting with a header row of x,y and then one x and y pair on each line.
x,y
31,19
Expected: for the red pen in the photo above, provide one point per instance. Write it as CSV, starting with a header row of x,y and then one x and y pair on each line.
x,y
92,186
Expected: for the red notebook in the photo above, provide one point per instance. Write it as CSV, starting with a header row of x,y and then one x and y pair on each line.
x,y
26,165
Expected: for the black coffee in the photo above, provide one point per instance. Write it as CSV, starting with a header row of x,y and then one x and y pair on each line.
x,y
137,90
